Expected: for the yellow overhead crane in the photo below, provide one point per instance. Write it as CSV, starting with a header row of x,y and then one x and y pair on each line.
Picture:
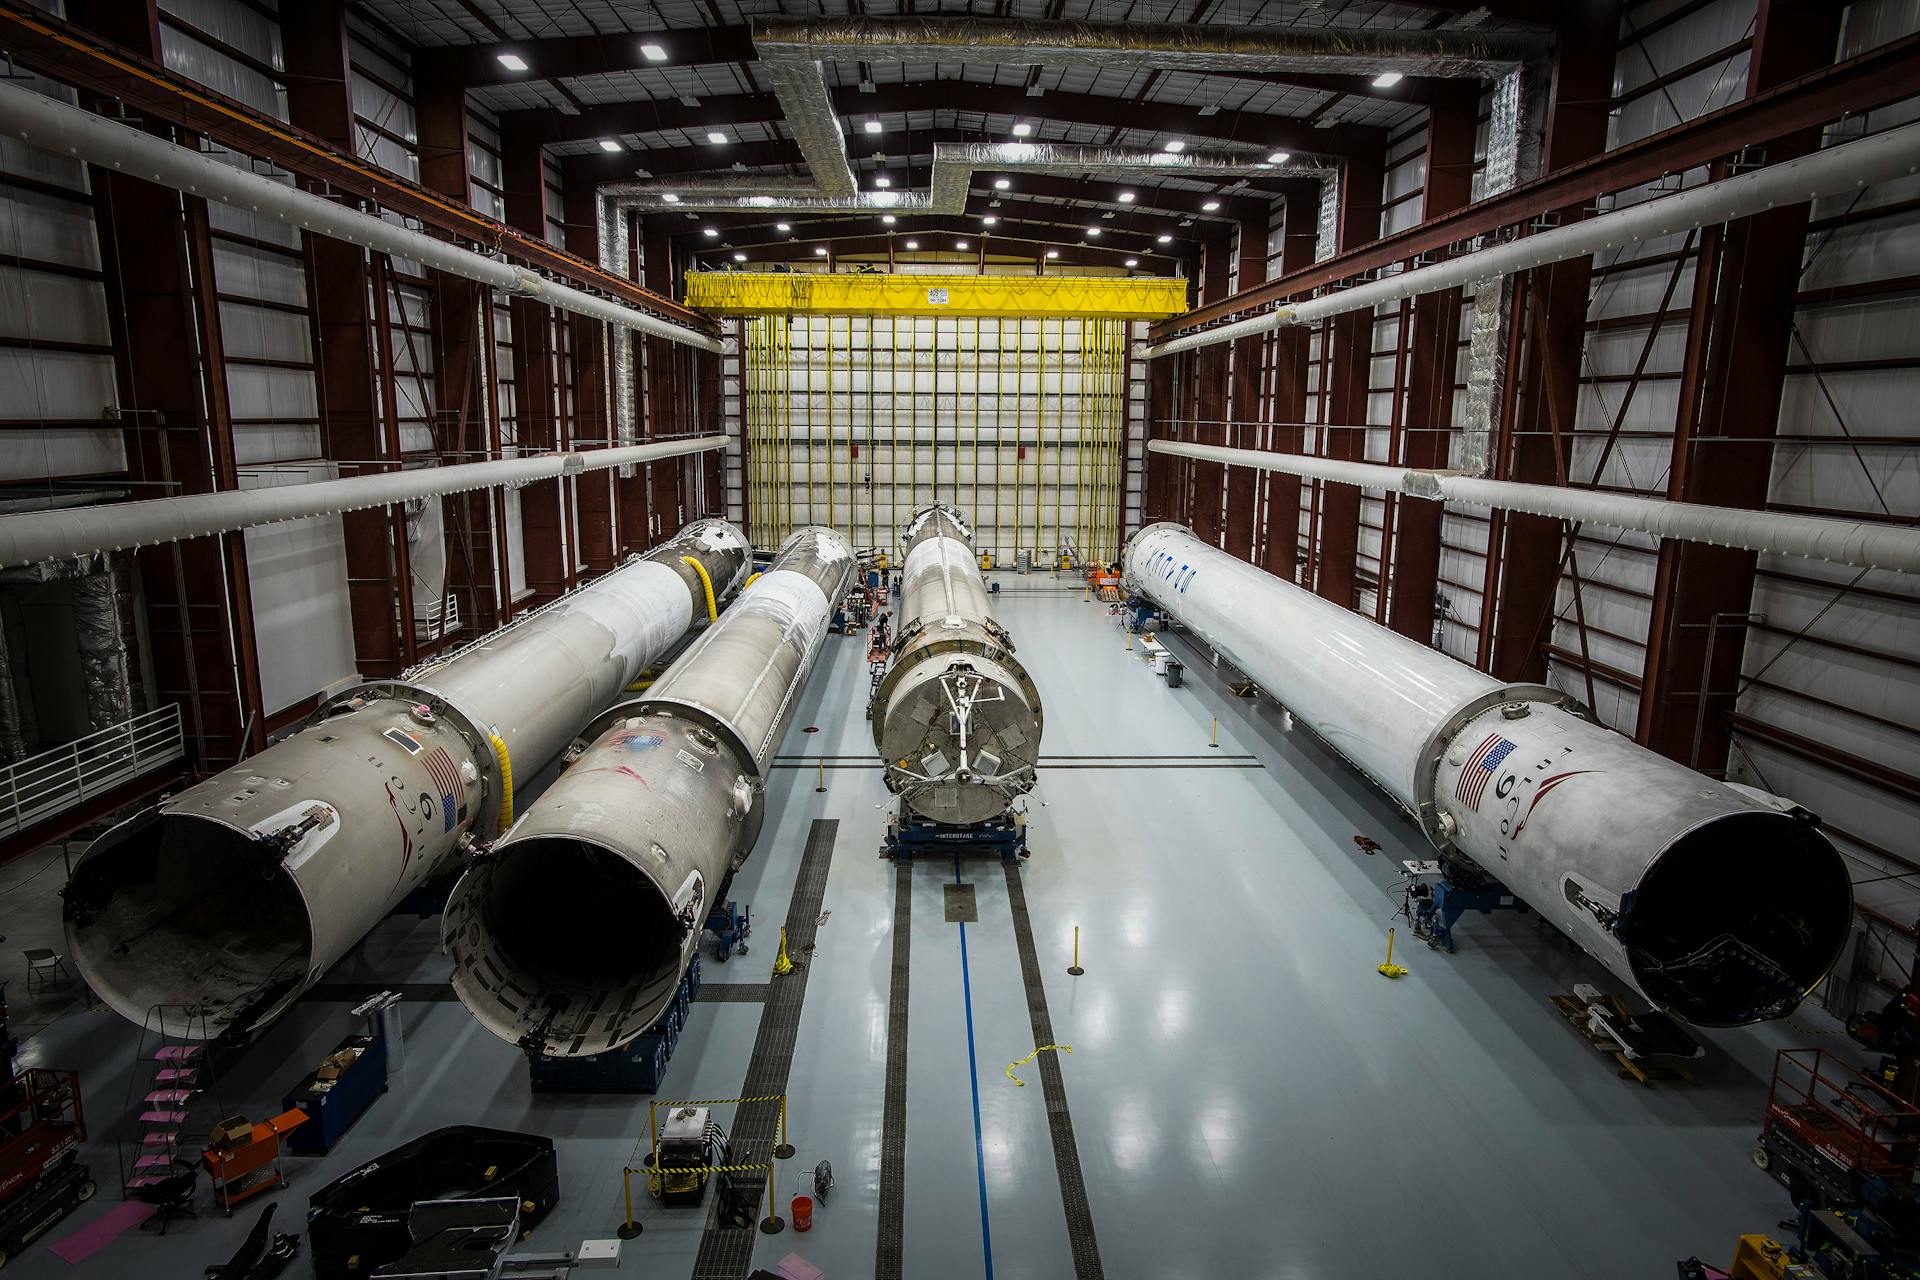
x,y
758,293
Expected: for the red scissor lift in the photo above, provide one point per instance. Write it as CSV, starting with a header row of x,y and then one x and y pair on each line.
x,y
41,1128
1838,1138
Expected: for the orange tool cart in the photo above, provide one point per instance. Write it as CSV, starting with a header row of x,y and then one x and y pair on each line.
x,y
248,1162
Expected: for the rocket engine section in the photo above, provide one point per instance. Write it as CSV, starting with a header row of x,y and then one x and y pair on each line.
x,y
1722,904
957,720
569,936
219,906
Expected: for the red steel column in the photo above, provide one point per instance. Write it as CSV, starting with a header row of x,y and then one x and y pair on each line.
x,y
346,337
543,504
1433,357
1299,235
156,258
592,398
1552,329
1160,468
1343,435
665,392
1723,441
1210,399
462,319
1243,483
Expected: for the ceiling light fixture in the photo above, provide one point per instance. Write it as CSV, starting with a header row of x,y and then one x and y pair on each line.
x,y
717,138
1387,79
913,244
1001,184
1280,157
883,183
820,250
739,257
1094,232
609,144
1163,239
873,126
1021,129
653,53
709,231
989,221
959,244
1053,253
887,218
512,61
1126,197
671,198
783,226
1133,262
1211,205
1175,146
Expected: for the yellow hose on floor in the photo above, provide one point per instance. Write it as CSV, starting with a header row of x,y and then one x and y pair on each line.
x,y
713,610
506,780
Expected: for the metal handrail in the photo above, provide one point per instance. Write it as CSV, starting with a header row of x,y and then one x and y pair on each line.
x,y
69,775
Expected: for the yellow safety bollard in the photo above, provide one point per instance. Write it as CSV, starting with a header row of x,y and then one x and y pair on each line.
x,y
1076,970
1390,969
628,1229
823,776
773,1224
1216,732
1129,639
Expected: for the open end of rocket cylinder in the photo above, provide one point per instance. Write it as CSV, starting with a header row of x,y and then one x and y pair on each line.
x,y
573,927
188,919
1738,919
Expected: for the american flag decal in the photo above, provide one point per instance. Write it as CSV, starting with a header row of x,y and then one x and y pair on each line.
x,y
1479,768
445,777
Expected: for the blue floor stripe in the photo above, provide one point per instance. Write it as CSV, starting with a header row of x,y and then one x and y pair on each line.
x,y
973,1075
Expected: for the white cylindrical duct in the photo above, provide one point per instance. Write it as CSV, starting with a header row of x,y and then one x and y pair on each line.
x,y
208,914
957,720
1851,542
660,804
1720,904
1829,171
34,536
59,127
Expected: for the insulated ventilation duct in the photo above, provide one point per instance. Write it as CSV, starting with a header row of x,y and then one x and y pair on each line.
x,y
1830,171
1853,542
77,531
67,130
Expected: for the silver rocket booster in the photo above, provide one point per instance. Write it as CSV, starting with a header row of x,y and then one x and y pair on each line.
x,y
956,720
219,906
1721,904
569,936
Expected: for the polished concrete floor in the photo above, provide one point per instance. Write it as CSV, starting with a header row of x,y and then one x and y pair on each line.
x,y
1249,1096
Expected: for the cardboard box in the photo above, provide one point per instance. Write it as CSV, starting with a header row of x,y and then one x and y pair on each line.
x,y
232,1132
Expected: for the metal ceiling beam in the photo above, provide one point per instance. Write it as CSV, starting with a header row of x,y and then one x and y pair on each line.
x,y
1071,253
594,169
1874,79
1058,232
570,57
1246,127
476,65
66,53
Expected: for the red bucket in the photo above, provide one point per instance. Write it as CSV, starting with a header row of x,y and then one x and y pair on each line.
x,y
803,1213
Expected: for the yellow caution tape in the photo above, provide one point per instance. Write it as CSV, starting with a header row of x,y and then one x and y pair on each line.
x,y
1063,1048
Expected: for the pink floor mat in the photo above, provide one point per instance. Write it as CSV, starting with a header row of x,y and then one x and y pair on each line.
x,y
101,1232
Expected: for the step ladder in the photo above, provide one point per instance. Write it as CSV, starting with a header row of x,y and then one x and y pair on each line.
x,y
172,1104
